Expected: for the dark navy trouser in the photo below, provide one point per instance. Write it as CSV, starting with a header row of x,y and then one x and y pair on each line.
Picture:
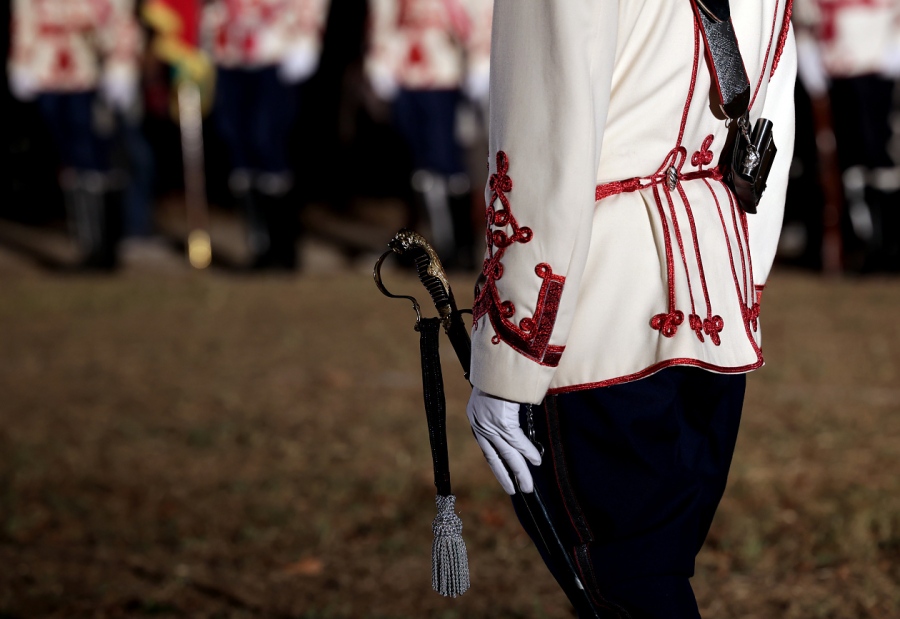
x,y
633,474
254,114
70,119
427,121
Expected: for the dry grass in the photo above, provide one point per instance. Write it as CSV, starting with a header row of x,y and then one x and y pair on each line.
x,y
214,446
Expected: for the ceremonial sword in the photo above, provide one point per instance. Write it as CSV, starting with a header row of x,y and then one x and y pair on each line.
x,y
190,120
410,244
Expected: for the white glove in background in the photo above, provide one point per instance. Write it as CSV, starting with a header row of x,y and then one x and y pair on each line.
x,y
496,426
119,89
298,64
22,84
384,85
478,82
890,64
810,68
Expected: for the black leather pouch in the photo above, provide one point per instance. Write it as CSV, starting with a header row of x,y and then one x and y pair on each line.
x,y
751,161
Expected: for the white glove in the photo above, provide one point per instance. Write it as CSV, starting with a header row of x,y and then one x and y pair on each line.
x,y
810,68
22,84
384,86
890,63
119,89
495,423
298,64
478,82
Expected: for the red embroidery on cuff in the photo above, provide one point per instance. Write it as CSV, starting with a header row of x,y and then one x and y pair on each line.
x,y
531,337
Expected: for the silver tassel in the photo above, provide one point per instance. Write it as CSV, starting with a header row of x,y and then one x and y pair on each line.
x,y
449,563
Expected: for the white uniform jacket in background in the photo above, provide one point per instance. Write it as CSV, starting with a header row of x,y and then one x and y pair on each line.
x,y
65,46
854,36
597,271
251,34
428,44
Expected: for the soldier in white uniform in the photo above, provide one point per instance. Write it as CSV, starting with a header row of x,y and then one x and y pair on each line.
x,y
619,305
849,50
63,53
422,55
263,49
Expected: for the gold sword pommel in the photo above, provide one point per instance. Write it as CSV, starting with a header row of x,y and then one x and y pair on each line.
x,y
430,270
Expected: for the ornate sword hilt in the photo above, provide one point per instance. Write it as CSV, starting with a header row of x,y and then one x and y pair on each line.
x,y
430,270
431,273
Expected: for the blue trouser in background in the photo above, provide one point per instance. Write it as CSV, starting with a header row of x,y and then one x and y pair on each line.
x,y
254,114
93,201
70,119
427,121
633,474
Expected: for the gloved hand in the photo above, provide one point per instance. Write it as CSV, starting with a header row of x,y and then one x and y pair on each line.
x,y
22,84
495,423
119,88
890,63
478,82
810,68
384,85
298,64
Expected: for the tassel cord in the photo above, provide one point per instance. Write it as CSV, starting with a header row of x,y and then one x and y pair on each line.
x,y
449,562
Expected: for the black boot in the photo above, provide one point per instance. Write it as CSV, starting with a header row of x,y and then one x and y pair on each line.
x,y
250,208
430,190
882,206
94,208
273,195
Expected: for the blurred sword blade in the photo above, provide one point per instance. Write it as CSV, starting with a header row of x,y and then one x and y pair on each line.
x,y
190,119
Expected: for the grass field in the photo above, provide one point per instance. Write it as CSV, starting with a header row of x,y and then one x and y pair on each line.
x,y
205,445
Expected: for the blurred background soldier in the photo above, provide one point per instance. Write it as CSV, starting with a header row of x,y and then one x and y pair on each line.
x,y
849,51
263,49
63,54
422,55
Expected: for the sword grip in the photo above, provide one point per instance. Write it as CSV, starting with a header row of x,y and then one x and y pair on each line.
x,y
431,274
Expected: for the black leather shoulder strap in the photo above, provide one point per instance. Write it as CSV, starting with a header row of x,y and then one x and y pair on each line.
x,y
724,56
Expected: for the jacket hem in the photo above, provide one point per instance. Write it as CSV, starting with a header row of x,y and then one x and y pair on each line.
x,y
653,369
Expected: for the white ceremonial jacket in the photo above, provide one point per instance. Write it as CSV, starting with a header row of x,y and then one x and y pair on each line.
x,y
258,33
597,272
70,45
854,36
428,44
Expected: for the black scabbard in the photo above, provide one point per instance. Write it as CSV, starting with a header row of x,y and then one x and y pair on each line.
x,y
459,339
574,589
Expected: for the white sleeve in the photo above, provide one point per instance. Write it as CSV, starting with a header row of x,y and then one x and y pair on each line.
x,y
23,37
381,61
552,64
121,41
765,225
306,26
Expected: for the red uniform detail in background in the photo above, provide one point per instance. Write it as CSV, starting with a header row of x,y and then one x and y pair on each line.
x,y
188,12
830,9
